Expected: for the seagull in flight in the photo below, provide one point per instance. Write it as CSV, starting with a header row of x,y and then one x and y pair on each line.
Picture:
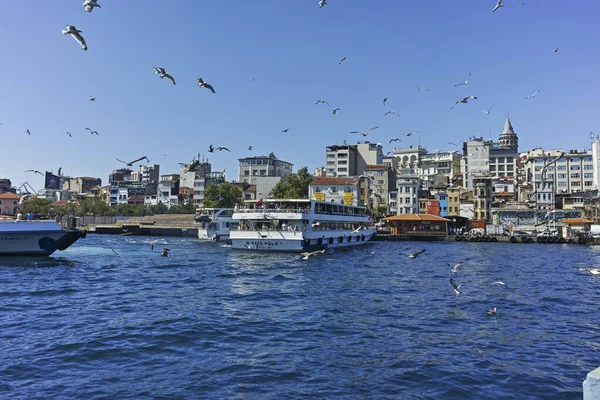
x,y
204,84
520,2
532,95
27,131
285,130
69,133
498,5
493,311
129,164
555,50
212,149
395,140
410,133
466,82
455,286
321,101
357,230
165,252
487,112
90,4
365,133
455,268
117,254
392,112
74,32
307,254
322,3
464,100
591,271
343,59
335,110
453,144
250,148
385,101
163,74
91,131
35,171
92,98
499,283
415,255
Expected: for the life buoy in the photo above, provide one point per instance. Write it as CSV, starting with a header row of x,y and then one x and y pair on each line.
x,y
429,203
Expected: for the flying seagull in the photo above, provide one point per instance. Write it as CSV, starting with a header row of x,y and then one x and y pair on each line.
x,y
343,59
285,130
165,252
250,148
394,140
92,98
532,95
90,4
487,112
498,5
335,110
454,144
385,101
59,171
322,3
212,149
113,250
499,283
493,311
392,112
163,74
35,171
365,133
307,254
321,101
69,133
129,164
74,32
466,82
410,133
27,131
520,2
455,286
455,268
591,271
204,84
91,131
464,100
555,50
415,255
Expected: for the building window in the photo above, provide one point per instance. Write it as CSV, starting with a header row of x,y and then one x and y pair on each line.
x,y
246,172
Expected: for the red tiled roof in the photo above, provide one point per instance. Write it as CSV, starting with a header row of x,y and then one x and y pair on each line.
x,y
9,196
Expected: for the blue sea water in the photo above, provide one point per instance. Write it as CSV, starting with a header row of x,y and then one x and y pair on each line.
x,y
363,323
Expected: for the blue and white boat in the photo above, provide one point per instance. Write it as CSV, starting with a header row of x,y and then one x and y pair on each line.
x,y
214,223
35,238
300,226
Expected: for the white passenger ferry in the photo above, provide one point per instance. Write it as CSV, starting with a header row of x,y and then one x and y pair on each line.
x,y
299,226
214,223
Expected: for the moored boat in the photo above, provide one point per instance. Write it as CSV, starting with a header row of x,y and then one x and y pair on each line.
x,y
35,238
214,223
299,226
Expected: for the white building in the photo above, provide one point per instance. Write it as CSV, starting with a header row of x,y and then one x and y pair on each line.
x,y
350,191
348,160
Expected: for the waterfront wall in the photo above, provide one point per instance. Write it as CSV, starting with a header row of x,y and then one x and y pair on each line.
x,y
591,385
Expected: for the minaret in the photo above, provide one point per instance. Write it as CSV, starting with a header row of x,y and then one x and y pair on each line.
x,y
508,138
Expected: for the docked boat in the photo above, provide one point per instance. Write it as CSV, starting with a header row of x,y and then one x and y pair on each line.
x,y
214,223
299,226
35,238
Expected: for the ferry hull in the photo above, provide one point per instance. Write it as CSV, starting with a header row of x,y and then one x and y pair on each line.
x,y
276,241
36,243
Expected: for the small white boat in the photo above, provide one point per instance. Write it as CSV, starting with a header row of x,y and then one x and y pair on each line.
x,y
299,226
214,223
35,238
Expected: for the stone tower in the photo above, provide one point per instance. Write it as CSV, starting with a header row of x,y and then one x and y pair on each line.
x,y
508,138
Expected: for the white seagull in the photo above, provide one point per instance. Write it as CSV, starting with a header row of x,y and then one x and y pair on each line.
x,y
464,100
163,74
74,32
410,133
335,110
343,59
90,4
92,98
415,255
493,311
307,254
592,271
206,85
498,5
365,133
455,286
532,95
455,268
499,283
392,112
385,101
466,82
487,112
322,3
395,140
555,50
321,101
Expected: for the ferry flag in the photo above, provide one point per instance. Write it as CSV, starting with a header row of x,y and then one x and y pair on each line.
x,y
259,203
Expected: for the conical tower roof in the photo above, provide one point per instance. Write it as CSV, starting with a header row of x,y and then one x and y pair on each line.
x,y
508,138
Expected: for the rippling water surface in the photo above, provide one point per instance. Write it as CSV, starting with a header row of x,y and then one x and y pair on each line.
x,y
363,323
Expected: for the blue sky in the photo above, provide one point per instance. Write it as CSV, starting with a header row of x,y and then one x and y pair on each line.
x,y
291,48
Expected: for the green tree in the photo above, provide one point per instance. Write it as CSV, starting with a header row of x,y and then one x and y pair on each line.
x,y
93,207
61,211
39,207
222,195
294,187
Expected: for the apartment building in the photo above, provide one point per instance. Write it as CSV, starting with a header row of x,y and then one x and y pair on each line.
x,y
346,160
